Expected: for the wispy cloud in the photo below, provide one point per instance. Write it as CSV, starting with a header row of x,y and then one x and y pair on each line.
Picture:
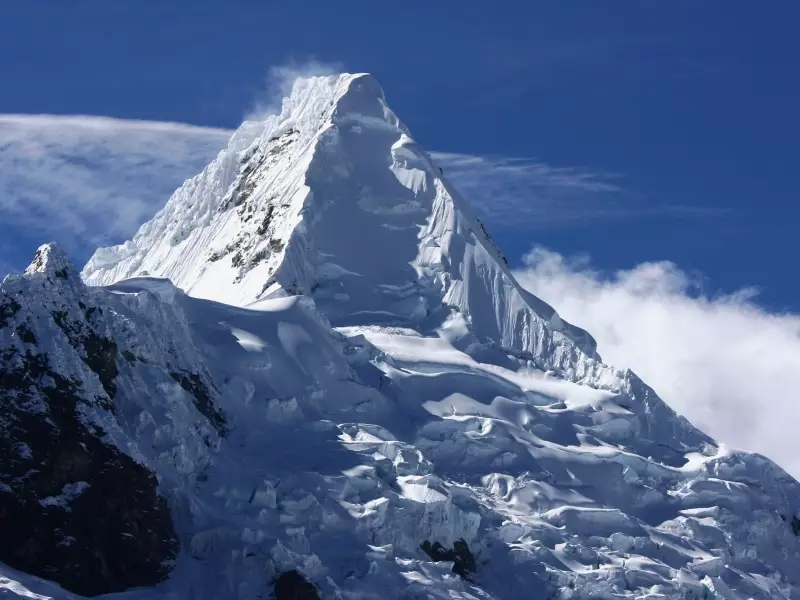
x,y
532,195
727,364
85,181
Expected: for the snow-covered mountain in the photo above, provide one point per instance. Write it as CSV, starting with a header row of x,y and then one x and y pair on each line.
x,y
334,199
312,375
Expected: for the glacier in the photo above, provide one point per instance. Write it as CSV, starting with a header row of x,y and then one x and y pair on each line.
x,y
317,360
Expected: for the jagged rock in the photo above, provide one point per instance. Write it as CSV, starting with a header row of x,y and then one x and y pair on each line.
x,y
463,561
8,308
98,352
193,383
73,508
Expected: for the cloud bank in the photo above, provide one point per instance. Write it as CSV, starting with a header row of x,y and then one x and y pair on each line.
x,y
86,181
722,361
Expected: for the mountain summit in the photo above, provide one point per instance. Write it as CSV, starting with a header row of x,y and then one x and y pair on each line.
x,y
334,199
312,376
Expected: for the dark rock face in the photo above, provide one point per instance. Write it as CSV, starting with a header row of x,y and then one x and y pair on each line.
x,y
291,585
8,308
463,560
73,509
193,383
99,353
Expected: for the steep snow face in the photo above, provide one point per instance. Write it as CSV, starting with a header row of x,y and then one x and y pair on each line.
x,y
335,200
378,462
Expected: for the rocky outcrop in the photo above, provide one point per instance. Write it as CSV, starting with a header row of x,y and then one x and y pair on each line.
x,y
74,508
463,561
193,384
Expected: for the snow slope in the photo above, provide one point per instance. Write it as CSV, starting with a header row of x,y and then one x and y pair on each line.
x,y
366,381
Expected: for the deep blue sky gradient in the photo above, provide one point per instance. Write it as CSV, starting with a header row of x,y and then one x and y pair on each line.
x,y
691,103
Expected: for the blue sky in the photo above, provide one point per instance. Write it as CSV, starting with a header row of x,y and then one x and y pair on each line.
x,y
634,159
690,106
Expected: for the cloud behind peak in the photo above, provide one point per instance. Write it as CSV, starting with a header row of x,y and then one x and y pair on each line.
x,y
718,358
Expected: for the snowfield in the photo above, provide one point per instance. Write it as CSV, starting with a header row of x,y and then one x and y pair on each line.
x,y
328,367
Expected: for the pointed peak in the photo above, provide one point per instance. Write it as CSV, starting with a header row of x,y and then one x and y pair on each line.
x,y
50,259
341,82
316,101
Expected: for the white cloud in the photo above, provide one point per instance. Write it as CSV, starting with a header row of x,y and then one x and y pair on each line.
x,y
728,365
531,195
86,181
